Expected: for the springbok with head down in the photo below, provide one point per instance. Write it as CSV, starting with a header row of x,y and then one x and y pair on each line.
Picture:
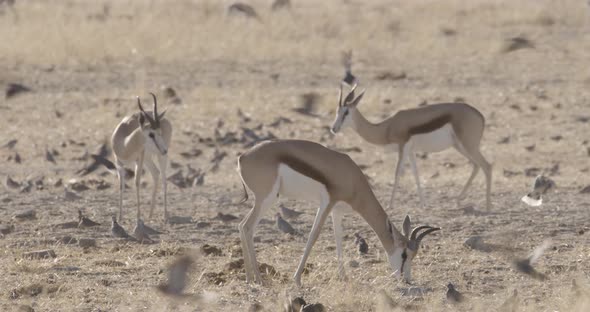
x,y
136,140
431,128
306,170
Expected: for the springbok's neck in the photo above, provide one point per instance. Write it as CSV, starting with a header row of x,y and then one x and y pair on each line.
x,y
372,133
367,205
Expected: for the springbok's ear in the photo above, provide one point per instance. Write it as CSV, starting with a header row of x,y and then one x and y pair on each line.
x,y
397,236
407,226
162,114
357,100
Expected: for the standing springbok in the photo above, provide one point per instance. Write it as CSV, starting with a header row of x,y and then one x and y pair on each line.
x,y
306,170
135,142
431,128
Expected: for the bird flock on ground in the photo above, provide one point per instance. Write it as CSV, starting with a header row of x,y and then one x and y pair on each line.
x,y
178,279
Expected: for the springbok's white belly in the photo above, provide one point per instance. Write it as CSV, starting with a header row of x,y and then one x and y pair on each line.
x,y
431,142
295,185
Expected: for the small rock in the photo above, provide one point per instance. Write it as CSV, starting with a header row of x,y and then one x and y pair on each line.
x,y
67,225
314,307
179,220
256,307
6,228
202,225
40,254
211,250
25,308
66,240
474,242
29,214
86,242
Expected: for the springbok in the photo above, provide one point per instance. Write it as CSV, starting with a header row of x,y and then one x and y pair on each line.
x,y
431,128
306,170
136,142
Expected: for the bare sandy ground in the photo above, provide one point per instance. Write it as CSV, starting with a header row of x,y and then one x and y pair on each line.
x,y
86,61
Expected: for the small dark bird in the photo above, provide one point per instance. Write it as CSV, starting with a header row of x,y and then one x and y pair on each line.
x,y
526,265
308,104
117,230
148,230
168,92
349,78
541,186
177,277
280,4
453,295
517,43
243,9
98,159
70,196
313,307
289,213
226,217
17,158
511,304
84,221
284,226
140,233
244,118
49,157
10,184
218,156
10,144
363,247
14,89
294,305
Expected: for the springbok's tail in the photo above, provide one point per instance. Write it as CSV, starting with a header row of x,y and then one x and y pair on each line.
x,y
245,196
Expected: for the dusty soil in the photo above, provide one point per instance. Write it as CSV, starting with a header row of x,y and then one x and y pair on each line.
x,y
86,61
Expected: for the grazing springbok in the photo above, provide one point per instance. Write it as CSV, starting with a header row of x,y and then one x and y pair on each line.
x,y
431,128
306,170
136,142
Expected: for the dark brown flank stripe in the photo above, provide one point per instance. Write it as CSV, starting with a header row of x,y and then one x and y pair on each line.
x,y
430,126
305,169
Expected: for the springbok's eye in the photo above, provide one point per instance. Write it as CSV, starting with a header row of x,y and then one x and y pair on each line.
x,y
345,114
151,135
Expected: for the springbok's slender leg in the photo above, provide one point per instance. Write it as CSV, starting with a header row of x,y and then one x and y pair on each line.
x,y
398,171
337,224
121,175
163,160
244,241
138,169
412,158
475,157
155,173
247,228
320,218
487,169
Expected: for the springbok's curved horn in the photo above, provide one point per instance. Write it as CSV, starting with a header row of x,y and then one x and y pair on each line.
x,y
156,118
350,97
139,104
418,229
146,115
421,236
